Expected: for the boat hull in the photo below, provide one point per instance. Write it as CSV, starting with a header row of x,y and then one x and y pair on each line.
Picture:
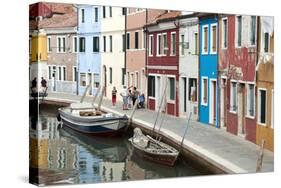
x,y
98,127
168,160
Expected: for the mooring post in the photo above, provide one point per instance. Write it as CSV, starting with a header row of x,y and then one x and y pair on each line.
x,y
260,158
84,94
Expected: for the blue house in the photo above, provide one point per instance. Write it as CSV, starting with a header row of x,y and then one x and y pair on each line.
x,y
208,67
88,41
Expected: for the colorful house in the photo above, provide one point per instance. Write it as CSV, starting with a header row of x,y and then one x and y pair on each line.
x,y
136,54
188,65
88,40
265,83
237,62
208,69
163,63
112,52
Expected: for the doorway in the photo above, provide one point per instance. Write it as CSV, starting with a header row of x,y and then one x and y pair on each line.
x,y
89,81
158,93
241,109
213,102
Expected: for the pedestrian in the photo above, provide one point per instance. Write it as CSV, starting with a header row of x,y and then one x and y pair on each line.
x,y
141,101
130,96
43,84
34,85
114,93
124,94
135,95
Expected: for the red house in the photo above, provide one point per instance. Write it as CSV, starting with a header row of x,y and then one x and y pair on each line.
x,y
163,63
237,63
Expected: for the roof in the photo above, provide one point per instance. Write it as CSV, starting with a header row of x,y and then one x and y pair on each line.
x,y
166,16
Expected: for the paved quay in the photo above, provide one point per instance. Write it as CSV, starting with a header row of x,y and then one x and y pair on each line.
x,y
227,152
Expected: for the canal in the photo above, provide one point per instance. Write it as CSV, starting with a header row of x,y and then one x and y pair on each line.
x,y
59,155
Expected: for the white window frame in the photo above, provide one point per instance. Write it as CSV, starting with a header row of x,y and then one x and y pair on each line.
x,y
196,50
73,44
163,44
263,42
157,44
152,75
151,45
211,38
49,38
202,91
231,96
248,101
169,88
203,39
181,45
236,31
171,45
60,48
259,102
224,33
250,32
61,73
80,79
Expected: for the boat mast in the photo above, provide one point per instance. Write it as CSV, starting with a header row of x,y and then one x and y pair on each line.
x,y
84,94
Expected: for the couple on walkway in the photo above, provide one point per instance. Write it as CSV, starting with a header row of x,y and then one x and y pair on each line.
x,y
129,97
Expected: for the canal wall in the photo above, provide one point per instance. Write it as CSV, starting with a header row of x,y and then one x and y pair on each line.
x,y
214,150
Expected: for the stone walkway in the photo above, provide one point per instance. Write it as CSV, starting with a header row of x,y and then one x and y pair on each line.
x,y
228,152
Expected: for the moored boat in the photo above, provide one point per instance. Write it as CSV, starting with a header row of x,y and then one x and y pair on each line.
x,y
83,117
153,150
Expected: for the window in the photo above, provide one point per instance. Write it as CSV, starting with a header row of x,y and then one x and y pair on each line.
x,y
151,86
96,80
103,12
123,75
266,42
239,31
82,79
128,41
213,38
165,45
204,95
251,100
104,43
253,30
151,41
173,44
224,33
123,42
110,75
82,15
61,44
262,106
50,72
74,74
233,97
124,11
172,89
110,11
110,43
136,40
159,46
205,40
182,44
96,44
162,44
75,44
82,44
192,89
64,73
49,45
60,72
196,44
96,14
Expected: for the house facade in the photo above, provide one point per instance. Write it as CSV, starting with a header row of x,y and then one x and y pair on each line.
x,y
111,49
88,41
136,56
208,69
163,64
188,65
265,83
237,62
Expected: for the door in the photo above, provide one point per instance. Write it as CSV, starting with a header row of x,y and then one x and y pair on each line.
x,y
89,81
241,109
213,102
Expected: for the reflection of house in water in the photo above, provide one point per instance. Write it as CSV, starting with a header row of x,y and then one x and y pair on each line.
x,y
112,171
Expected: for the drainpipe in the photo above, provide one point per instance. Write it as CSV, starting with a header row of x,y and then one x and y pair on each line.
x,y
146,55
199,81
125,50
218,76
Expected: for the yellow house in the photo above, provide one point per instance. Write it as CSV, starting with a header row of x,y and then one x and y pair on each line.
x,y
39,47
265,83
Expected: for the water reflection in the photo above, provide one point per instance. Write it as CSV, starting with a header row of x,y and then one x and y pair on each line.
x,y
61,155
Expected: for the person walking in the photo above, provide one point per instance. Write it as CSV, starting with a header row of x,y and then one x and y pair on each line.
x,y
34,85
130,95
114,93
124,94
135,95
43,84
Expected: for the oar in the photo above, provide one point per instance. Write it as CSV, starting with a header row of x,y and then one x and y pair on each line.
x,y
95,97
185,131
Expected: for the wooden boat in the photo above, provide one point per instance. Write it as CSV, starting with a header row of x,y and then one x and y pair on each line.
x,y
83,117
153,150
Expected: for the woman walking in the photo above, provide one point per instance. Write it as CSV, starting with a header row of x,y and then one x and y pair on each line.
x,y
114,93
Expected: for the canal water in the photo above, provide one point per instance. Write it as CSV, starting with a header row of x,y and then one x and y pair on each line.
x,y
59,155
